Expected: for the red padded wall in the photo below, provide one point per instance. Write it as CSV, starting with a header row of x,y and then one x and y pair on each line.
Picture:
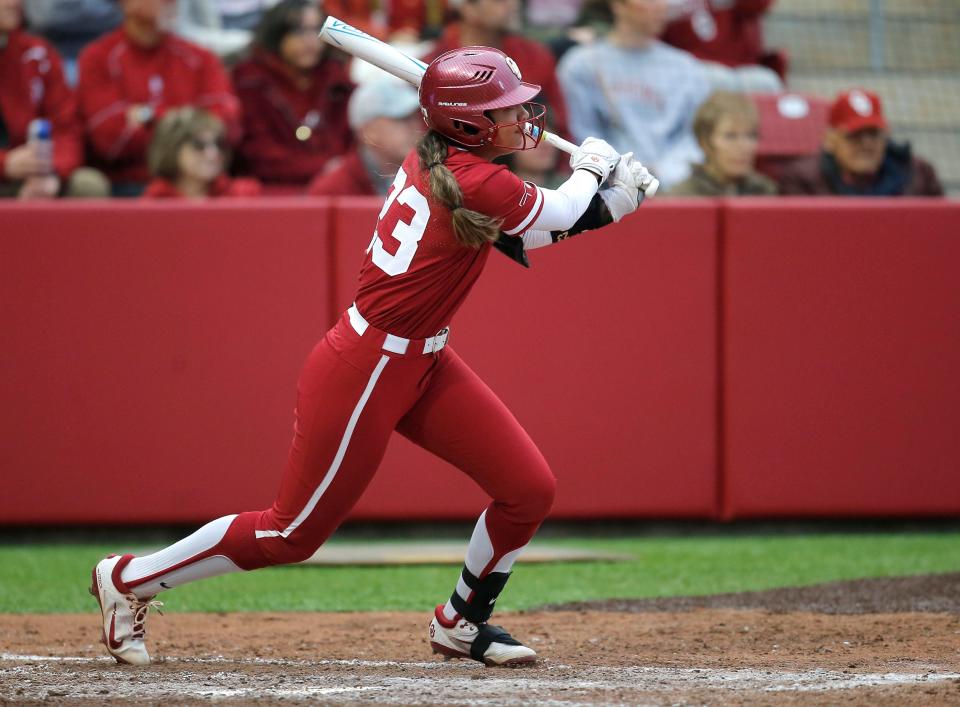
x,y
842,343
605,352
150,353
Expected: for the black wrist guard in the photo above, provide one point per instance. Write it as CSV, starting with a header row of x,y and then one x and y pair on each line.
x,y
597,215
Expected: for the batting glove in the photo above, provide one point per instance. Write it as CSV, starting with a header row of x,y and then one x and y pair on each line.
x,y
595,156
628,183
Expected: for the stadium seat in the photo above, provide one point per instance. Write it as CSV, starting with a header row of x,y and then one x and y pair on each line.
x,y
791,126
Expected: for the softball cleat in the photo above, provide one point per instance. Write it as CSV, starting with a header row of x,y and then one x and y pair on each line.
x,y
483,642
124,615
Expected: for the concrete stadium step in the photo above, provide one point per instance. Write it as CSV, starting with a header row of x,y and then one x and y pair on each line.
x,y
836,35
927,45
937,9
836,42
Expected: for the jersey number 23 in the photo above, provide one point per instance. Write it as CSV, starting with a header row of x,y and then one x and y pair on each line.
x,y
407,234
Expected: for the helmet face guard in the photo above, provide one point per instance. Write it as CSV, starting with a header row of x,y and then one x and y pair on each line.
x,y
530,129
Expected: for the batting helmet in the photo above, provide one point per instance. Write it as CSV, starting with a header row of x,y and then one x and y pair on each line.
x,y
461,85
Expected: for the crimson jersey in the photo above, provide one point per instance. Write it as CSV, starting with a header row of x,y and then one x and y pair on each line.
x,y
416,273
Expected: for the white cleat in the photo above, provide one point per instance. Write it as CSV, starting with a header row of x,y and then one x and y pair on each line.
x,y
488,644
123,613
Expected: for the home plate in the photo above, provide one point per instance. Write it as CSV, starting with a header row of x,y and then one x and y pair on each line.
x,y
443,553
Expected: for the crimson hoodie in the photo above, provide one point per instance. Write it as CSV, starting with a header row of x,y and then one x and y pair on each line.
x,y
32,86
274,107
116,74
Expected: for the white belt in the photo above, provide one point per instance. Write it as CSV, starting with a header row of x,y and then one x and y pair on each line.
x,y
397,344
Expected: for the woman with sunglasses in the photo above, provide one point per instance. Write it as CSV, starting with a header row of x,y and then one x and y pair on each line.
x,y
386,365
189,156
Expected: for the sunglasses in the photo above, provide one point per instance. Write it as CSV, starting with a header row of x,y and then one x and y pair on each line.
x,y
201,145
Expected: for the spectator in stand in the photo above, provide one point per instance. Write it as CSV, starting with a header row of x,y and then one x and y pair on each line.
x,y
32,86
551,14
294,91
188,158
487,23
726,127
727,35
72,24
858,157
386,122
131,77
594,20
636,92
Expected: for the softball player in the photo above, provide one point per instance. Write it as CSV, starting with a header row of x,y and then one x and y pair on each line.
x,y
386,365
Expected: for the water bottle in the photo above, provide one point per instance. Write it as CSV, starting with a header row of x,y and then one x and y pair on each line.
x,y
40,136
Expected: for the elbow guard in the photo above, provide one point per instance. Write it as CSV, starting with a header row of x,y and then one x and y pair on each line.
x,y
512,247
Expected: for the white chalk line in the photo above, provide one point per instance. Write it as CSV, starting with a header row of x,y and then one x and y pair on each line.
x,y
106,660
34,679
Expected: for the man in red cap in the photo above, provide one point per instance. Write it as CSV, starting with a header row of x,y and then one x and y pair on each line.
x,y
858,157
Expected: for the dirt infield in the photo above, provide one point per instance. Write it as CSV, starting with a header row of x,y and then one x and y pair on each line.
x,y
872,643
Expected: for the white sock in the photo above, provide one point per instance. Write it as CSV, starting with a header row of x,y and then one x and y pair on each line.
x,y
170,567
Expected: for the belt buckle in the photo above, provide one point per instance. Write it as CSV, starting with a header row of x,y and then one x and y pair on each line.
x,y
438,341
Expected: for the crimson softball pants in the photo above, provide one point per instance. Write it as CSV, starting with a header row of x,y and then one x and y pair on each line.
x,y
352,394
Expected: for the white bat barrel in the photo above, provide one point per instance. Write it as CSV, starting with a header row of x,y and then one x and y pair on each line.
x,y
358,43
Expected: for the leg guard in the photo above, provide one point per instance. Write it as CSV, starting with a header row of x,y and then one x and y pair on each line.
x,y
482,596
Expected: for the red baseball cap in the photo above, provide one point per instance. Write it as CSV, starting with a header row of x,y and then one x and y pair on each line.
x,y
857,109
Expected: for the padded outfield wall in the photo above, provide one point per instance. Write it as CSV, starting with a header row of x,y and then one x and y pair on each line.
x,y
704,359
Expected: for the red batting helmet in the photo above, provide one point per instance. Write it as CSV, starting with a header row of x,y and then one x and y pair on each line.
x,y
461,85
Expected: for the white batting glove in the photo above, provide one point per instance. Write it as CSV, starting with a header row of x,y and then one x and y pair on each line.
x,y
596,156
628,182
647,183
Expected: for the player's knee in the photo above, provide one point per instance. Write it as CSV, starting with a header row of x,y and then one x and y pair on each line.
x,y
288,552
546,491
537,497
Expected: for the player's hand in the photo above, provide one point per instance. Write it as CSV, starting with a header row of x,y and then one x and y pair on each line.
x,y
645,181
628,184
596,156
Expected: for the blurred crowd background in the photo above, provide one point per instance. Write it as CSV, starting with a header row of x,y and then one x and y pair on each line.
x,y
219,98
